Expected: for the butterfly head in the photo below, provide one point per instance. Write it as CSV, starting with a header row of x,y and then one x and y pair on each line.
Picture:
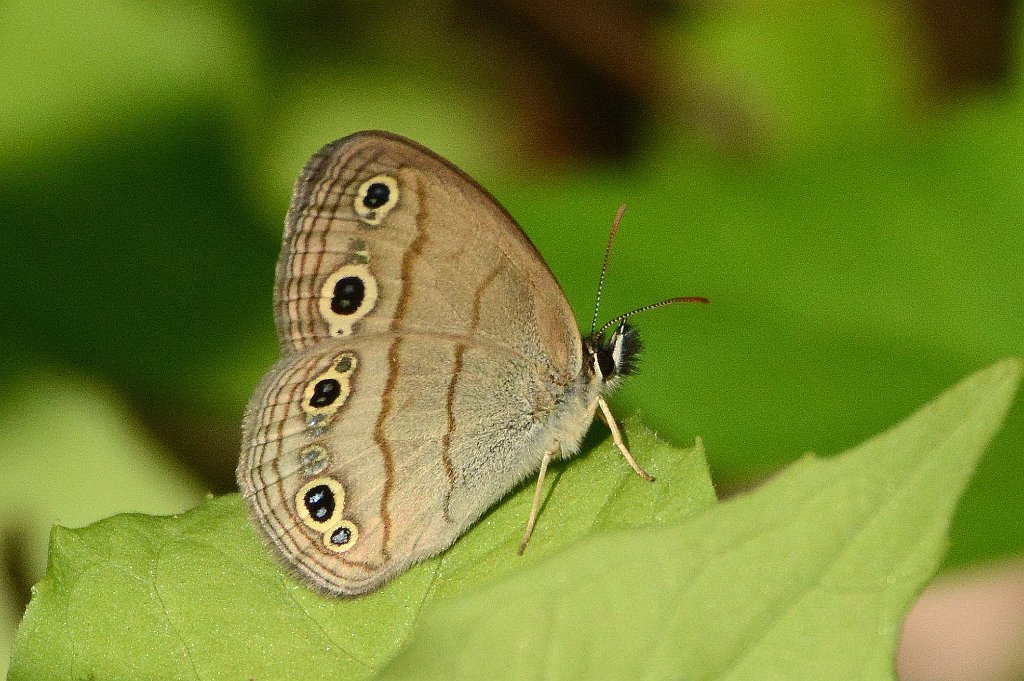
x,y
613,357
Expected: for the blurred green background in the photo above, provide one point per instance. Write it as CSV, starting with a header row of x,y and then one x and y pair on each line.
x,y
844,180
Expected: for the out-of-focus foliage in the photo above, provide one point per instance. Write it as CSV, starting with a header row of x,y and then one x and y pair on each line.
x,y
859,237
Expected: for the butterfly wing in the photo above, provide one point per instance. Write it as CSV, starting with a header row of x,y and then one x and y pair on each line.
x,y
354,470
383,235
426,350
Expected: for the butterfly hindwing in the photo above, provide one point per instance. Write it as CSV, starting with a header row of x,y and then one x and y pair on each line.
x,y
369,440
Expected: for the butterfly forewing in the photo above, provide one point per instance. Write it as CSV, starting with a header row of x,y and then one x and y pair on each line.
x,y
383,235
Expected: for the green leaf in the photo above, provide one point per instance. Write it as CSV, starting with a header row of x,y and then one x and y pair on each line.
x,y
806,578
198,596
115,468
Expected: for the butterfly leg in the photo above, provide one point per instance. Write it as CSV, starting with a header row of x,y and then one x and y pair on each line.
x,y
617,439
536,500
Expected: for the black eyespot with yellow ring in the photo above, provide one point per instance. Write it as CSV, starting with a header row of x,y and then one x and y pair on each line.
x,y
342,537
327,392
320,501
375,198
348,294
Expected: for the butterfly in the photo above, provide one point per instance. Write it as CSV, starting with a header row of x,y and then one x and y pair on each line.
x,y
429,363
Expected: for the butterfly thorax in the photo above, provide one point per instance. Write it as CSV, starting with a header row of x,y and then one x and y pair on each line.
x,y
605,362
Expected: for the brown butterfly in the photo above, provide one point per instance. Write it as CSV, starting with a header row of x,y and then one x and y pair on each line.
x,y
430,362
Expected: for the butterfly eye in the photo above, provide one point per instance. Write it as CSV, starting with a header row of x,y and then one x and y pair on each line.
x,y
375,198
605,362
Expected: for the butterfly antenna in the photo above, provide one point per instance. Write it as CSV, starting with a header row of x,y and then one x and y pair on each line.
x,y
604,265
652,306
